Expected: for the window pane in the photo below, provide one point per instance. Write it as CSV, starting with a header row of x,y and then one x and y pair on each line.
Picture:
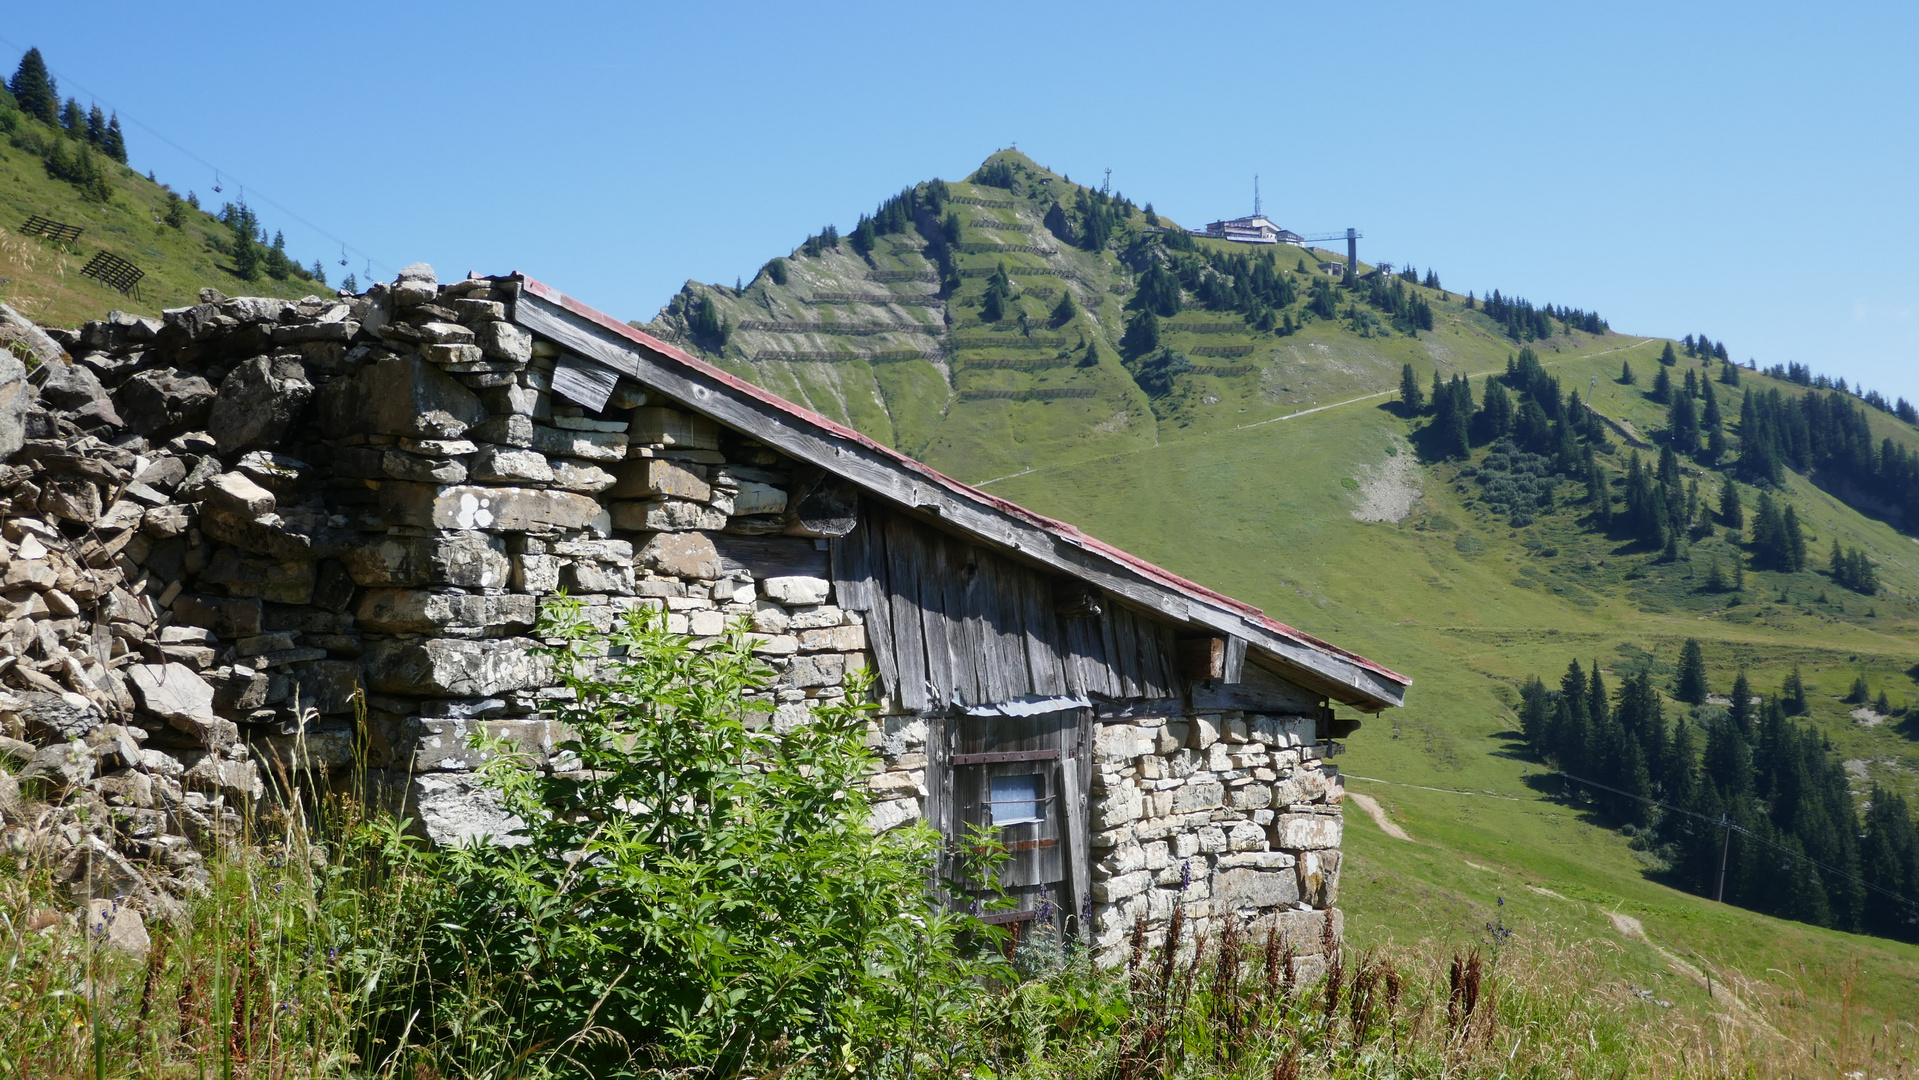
x,y
1015,799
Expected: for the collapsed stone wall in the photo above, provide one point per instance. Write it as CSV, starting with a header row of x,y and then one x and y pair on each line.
x,y
259,535
1218,813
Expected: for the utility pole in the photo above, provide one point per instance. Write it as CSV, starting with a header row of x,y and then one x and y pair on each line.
x,y
1719,897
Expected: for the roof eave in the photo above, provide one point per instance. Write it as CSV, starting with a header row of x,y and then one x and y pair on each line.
x,y
889,474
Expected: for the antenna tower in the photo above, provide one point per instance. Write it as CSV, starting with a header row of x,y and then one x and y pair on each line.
x,y
1107,187
1255,194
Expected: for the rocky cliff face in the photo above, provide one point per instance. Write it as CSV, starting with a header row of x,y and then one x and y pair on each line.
x,y
258,538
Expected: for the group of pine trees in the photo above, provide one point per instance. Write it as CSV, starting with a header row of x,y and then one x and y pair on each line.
x,y
1524,322
1798,847
78,146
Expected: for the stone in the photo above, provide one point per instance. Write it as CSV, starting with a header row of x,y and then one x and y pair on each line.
x,y
444,744
496,464
408,396
446,333
660,426
94,871
75,389
667,515
450,667
236,493
1199,794
16,397
413,611
1254,888
119,925
404,466
229,617
503,509
258,402
58,717
62,766
1122,886
1118,806
645,477
503,340
329,686
511,430
580,477
217,774
892,814
591,445
164,402
1119,743
470,560
834,639
459,808
1301,832
796,591
172,691
1319,877
319,750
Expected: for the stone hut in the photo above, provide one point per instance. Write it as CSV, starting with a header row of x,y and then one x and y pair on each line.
x,y
230,531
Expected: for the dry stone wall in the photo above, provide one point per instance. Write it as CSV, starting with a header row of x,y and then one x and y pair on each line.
x,y
258,535
1219,814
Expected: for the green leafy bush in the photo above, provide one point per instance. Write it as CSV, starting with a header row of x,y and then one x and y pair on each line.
x,y
693,886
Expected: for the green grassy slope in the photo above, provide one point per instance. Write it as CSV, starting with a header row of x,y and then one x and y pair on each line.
x,y
43,280
1252,484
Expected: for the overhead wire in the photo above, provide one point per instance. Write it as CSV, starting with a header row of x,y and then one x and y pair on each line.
x,y
218,171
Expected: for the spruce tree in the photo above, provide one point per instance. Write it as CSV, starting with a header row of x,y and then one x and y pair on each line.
x,y
176,216
1410,397
115,143
1662,387
1860,692
1142,334
1666,357
34,90
1731,513
1064,311
73,120
1690,687
1882,704
1794,542
1626,377
97,127
1792,693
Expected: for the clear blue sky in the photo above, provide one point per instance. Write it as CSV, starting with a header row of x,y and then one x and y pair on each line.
x,y
1746,171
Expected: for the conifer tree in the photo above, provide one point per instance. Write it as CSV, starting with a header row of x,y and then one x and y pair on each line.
x,y
1410,397
1064,311
1792,694
97,127
1731,513
1690,687
1682,423
1860,692
115,143
1142,334
1666,357
1882,704
34,90
72,119
1662,387
1739,713
1795,542
1626,377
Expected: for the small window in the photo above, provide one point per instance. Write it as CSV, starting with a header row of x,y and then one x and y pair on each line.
x,y
1016,800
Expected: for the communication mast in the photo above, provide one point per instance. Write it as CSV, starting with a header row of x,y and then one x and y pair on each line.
x,y
1255,194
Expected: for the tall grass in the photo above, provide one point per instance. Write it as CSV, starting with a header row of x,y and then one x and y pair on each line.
x,y
303,959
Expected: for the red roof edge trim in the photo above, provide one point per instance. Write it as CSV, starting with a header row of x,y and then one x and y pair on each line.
x,y
1062,529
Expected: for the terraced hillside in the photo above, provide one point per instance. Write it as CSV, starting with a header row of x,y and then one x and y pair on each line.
x,y
1282,468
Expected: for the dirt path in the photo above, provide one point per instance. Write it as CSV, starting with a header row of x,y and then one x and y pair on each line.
x,y
1378,814
1296,415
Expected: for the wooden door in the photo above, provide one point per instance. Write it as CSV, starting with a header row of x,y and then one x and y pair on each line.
x,y
1025,777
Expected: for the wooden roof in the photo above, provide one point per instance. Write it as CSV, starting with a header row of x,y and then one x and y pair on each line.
x,y
890,475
